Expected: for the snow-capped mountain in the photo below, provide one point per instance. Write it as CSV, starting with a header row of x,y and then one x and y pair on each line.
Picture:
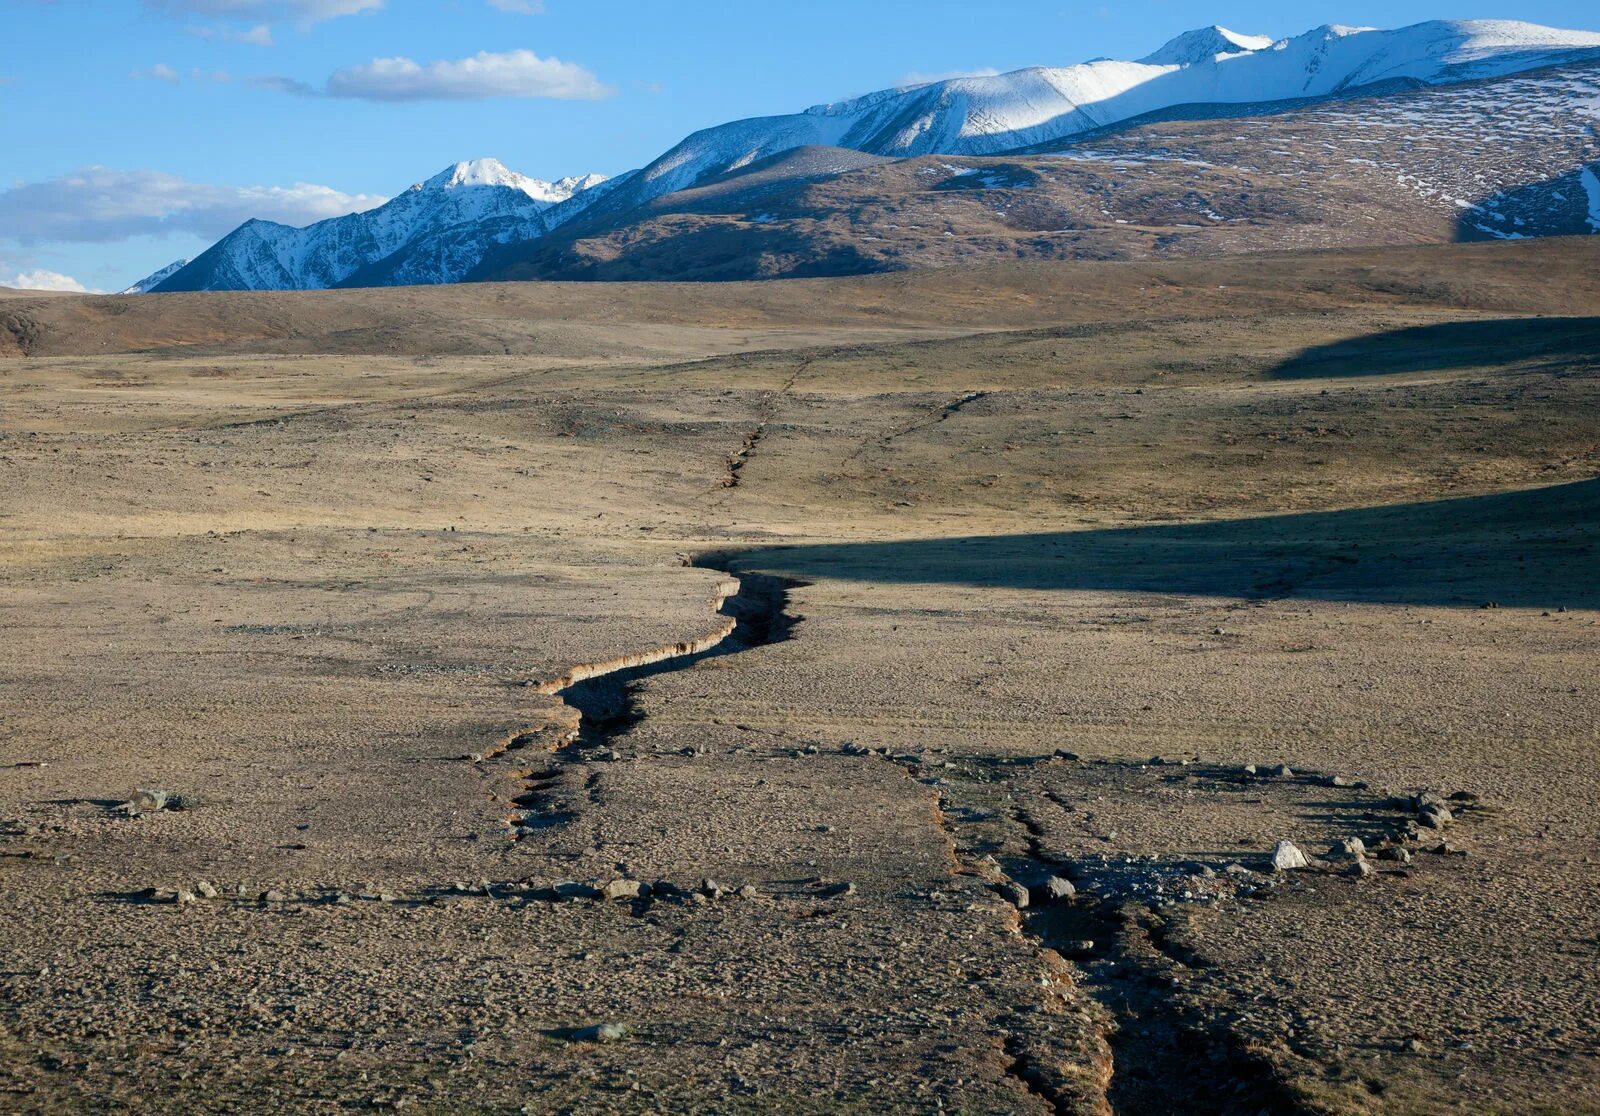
x,y
1035,107
1505,157
432,233
156,278
442,230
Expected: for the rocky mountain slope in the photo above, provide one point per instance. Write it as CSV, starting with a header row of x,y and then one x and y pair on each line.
x,y
1505,157
1420,150
1213,68
433,233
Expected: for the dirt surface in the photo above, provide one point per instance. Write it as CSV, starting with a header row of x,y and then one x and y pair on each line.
x,y
821,696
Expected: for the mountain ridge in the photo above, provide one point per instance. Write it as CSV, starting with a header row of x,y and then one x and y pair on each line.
x,y
1207,73
433,232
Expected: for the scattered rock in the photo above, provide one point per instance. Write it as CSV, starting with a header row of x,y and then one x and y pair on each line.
x,y
1057,890
1360,869
1063,754
601,1032
273,895
1013,893
1349,847
748,892
623,889
1395,853
1434,816
1281,771
711,889
838,890
1287,857
1420,801
145,801
1248,769
206,889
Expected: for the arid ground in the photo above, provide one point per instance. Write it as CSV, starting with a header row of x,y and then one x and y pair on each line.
x,y
814,696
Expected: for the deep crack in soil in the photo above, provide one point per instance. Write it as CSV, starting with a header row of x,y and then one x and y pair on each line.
x,y
1166,1051
596,698
758,614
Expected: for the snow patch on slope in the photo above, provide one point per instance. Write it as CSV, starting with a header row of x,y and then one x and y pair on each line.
x,y
1591,187
156,278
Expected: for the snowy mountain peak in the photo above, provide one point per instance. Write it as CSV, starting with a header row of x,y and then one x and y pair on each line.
x,y
478,172
155,278
492,172
1205,44
576,184
435,232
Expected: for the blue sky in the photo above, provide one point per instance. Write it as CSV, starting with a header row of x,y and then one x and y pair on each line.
x,y
198,113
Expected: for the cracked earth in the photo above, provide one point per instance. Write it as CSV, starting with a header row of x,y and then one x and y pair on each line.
x,y
789,712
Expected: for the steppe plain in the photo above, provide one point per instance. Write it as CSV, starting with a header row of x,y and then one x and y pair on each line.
x,y
901,596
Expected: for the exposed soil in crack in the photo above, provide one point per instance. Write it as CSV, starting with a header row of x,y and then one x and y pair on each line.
x,y
1156,1044
740,457
1170,1044
757,613
596,699
947,412
1162,1060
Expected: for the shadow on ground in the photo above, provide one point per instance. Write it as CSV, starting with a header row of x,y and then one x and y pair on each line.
x,y
1551,343
1535,548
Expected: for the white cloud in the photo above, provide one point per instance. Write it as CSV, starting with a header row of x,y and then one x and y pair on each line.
x,y
101,204
303,12
259,35
520,7
911,80
517,73
42,280
159,72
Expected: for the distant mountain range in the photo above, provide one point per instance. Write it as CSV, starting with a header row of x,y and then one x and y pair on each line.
x,y
435,232
816,192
